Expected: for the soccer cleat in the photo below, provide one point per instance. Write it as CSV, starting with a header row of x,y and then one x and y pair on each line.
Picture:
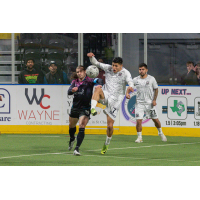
x,y
163,137
76,152
93,112
104,149
139,140
71,144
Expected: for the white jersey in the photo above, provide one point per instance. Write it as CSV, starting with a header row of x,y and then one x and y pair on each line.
x,y
115,83
145,89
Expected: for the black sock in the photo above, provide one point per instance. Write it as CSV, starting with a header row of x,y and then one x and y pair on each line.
x,y
72,132
80,137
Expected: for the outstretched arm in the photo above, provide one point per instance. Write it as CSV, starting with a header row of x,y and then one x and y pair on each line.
x,y
94,61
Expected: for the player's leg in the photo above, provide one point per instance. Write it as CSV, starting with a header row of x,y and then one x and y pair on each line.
x,y
72,131
97,95
153,114
139,113
83,120
110,123
139,131
158,126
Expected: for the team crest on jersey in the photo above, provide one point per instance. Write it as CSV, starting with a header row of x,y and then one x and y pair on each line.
x,y
128,109
120,74
147,83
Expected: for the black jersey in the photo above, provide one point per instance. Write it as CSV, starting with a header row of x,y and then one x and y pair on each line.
x,y
82,97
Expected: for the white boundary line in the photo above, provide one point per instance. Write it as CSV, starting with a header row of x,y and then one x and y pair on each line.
x,y
103,156
159,145
29,136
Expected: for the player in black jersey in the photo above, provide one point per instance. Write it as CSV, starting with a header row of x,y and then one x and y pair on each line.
x,y
82,89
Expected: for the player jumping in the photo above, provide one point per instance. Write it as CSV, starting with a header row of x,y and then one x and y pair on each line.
x,y
112,93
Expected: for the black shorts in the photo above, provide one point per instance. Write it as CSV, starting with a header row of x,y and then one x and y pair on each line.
x,y
77,113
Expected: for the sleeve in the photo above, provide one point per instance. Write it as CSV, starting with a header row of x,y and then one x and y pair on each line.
x,y
103,66
98,81
70,88
20,79
64,77
129,79
154,84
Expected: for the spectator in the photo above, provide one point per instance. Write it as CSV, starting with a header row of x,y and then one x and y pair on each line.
x,y
190,78
55,76
30,75
101,72
197,67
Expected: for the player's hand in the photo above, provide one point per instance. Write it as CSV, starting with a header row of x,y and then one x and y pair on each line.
x,y
90,55
0,98
130,89
98,86
74,89
128,96
154,103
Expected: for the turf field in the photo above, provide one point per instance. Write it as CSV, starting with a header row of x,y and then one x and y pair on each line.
x,y
52,150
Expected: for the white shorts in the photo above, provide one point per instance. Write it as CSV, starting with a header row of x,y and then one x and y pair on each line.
x,y
148,109
112,104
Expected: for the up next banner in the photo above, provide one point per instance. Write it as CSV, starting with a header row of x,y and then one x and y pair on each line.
x,y
177,106
49,105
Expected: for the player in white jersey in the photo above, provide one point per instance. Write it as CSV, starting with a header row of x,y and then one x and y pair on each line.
x,y
112,92
147,92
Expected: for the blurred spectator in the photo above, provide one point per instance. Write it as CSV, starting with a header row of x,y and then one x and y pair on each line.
x,y
30,75
101,72
55,76
197,67
190,77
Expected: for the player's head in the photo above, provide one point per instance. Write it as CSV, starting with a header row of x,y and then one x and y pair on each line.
x,y
81,72
190,65
29,63
53,67
143,69
117,64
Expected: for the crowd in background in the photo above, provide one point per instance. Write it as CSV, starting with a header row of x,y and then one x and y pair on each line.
x,y
192,76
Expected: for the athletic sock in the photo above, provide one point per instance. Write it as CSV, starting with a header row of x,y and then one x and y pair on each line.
x,y
139,134
108,140
159,130
72,132
93,103
80,137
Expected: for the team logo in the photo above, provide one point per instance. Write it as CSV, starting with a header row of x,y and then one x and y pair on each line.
x,y
177,108
120,74
147,83
128,109
5,103
197,108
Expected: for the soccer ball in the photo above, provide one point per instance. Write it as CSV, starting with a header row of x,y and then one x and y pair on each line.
x,y
92,71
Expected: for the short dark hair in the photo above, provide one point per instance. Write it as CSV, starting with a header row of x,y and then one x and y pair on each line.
x,y
190,62
143,65
30,59
118,60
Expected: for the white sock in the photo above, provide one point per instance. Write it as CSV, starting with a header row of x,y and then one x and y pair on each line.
x,y
108,140
93,103
139,134
159,130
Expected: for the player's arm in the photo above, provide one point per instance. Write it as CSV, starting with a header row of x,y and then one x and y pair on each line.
x,y
98,82
155,88
72,88
155,97
129,80
94,61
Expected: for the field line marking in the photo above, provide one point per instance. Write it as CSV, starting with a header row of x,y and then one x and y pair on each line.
x,y
159,145
29,136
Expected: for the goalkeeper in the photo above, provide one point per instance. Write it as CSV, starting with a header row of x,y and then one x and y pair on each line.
x,y
112,93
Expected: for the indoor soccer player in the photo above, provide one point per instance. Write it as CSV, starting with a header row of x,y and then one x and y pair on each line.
x,y
82,88
147,92
112,93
